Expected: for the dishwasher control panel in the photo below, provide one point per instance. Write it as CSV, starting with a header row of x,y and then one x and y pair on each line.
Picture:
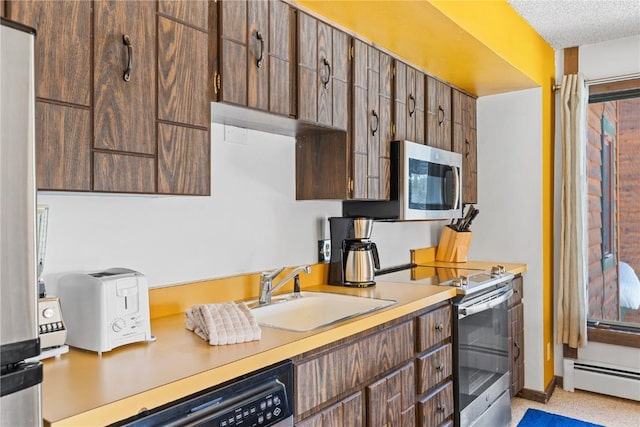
x,y
266,410
263,398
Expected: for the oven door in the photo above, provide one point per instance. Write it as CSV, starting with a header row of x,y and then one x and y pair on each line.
x,y
481,358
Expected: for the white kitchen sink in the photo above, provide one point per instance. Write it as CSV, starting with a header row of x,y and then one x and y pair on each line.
x,y
313,310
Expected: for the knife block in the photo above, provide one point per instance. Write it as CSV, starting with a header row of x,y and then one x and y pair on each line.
x,y
453,245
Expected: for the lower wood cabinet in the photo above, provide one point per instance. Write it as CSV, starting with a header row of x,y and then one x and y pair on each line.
x,y
395,375
434,367
516,319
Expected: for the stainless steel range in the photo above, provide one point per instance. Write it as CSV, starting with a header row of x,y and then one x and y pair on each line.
x,y
480,340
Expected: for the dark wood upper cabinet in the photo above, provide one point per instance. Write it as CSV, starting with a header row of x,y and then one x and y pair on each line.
x,y
97,130
465,143
409,103
250,54
371,131
322,73
63,90
438,114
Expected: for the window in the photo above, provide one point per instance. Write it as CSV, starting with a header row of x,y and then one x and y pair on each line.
x,y
613,174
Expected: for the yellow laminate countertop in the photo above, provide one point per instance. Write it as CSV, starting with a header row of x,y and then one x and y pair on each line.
x,y
83,389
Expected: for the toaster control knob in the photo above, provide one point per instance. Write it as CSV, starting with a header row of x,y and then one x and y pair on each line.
x,y
48,313
118,325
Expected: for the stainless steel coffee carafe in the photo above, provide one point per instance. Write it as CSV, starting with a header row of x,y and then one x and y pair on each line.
x,y
360,261
354,257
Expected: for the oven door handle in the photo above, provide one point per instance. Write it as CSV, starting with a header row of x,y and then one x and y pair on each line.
x,y
493,302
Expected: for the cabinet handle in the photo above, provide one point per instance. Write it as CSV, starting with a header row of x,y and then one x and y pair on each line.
x,y
439,367
466,143
127,42
440,408
412,109
374,130
216,83
261,40
517,355
440,116
327,65
439,327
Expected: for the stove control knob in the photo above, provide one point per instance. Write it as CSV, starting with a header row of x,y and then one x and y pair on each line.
x,y
464,280
497,271
456,282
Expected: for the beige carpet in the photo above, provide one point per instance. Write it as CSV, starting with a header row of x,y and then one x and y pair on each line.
x,y
594,408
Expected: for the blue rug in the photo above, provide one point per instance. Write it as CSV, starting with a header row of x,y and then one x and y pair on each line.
x,y
535,418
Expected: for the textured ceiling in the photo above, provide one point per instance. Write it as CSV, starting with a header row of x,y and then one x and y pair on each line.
x,y
568,23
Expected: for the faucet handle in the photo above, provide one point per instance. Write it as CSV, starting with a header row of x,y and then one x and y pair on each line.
x,y
269,275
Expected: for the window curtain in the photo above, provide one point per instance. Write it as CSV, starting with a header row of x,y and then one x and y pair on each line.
x,y
572,286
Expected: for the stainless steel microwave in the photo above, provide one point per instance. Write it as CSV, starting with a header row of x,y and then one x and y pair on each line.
x,y
425,183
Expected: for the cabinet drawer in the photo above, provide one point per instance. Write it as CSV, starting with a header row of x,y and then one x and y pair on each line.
x,y
433,368
347,412
435,408
322,378
390,400
433,327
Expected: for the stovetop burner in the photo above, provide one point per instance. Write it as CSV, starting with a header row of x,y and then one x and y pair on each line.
x,y
466,281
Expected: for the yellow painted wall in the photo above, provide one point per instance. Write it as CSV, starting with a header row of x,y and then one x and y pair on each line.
x,y
483,47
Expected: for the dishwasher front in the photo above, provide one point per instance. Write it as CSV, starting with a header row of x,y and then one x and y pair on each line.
x,y
259,399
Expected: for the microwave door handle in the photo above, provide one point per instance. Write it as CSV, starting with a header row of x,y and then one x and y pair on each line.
x,y
456,184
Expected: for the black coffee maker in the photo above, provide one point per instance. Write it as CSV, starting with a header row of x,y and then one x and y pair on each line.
x,y
354,257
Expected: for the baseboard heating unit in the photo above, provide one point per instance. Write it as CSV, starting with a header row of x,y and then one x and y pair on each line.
x,y
620,381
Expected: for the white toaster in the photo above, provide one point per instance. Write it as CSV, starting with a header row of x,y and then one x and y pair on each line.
x,y
105,309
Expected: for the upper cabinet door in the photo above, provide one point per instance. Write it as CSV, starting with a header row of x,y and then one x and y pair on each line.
x,y
438,114
63,90
323,72
371,125
464,142
252,54
62,48
409,103
183,94
125,76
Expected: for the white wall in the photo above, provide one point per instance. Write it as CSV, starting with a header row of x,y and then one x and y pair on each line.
x,y
252,222
610,59
509,226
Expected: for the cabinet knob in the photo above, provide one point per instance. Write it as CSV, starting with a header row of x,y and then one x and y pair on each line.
x,y
440,408
439,327
127,72
439,367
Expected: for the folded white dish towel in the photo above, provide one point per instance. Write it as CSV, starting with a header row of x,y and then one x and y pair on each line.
x,y
224,323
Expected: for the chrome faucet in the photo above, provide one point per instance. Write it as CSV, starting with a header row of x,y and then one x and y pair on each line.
x,y
267,288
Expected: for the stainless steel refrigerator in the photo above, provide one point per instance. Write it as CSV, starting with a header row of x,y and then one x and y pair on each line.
x,y
20,379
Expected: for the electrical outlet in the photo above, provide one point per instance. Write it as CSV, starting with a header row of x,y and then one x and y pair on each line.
x,y
324,250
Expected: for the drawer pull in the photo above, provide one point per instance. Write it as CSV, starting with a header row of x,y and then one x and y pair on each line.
x,y
439,367
439,327
440,408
